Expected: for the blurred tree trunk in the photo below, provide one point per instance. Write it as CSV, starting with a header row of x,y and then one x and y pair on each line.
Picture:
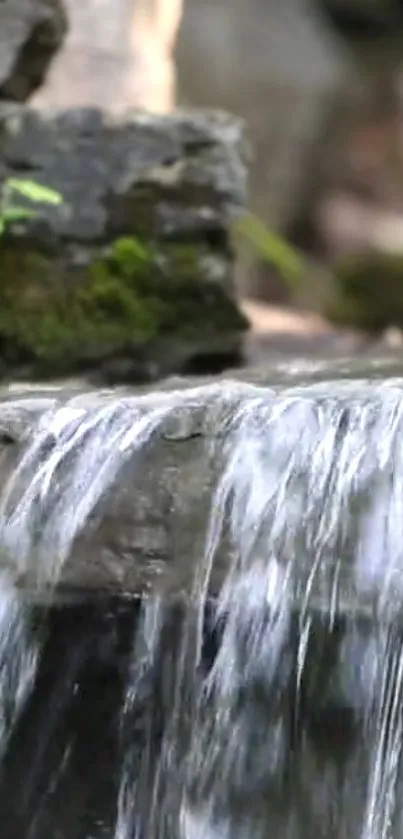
x,y
153,30
118,54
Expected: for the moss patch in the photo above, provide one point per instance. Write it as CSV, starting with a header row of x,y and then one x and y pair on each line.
x,y
61,316
369,292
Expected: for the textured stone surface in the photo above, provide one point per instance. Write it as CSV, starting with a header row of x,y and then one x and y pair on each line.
x,y
134,268
31,32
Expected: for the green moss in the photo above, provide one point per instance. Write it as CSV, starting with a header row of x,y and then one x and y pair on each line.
x,y
368,291
172,284
60,316
54,315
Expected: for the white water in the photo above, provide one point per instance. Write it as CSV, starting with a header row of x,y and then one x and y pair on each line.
x,y
71,459
311,494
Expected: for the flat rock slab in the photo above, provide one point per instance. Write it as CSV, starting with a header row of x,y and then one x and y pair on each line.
x,y
31,32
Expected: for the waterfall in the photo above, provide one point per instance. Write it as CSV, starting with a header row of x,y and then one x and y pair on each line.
x,y
269,702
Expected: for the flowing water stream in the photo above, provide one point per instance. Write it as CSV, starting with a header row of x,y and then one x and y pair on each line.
x,y
269,706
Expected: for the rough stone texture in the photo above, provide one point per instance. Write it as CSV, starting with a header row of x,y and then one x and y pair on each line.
x,y
31,32
132,273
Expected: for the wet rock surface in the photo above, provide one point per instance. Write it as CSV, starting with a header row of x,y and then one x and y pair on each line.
x,y
148,531
60,776
30,35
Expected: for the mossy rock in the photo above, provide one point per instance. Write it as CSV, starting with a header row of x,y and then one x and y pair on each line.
x,y
368,292
127,299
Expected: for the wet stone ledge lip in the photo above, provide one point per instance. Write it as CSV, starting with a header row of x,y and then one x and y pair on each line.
x,y
155,517
147,533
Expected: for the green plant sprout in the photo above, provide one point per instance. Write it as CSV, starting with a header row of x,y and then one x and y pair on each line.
x,y
31,191
270,247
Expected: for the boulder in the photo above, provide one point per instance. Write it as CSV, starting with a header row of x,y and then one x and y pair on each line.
x,y
31,32
132,274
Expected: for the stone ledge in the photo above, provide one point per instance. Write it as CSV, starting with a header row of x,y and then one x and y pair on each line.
x,y
147,533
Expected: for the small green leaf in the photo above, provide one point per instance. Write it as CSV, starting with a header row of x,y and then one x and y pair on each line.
x,y
34,192
18,214
269,246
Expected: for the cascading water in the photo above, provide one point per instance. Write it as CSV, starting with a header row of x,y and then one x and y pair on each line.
x,y
271,704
